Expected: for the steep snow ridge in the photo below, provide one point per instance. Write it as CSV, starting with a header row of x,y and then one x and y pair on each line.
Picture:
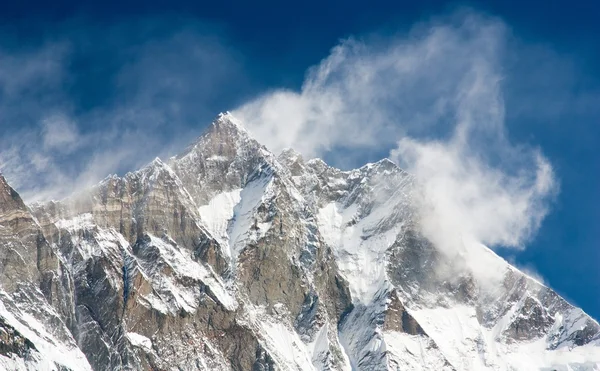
x,y
372,345
361,230
220,160
470,345
103,240
287,344
360,336
413,352
574,320
229,216
457,333
53,352
255,193
217,214
150,173
282,342
320,348
227,116
359,259
184,266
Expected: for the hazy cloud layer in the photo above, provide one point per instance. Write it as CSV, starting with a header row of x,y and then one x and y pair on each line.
x,y
137,99
434,100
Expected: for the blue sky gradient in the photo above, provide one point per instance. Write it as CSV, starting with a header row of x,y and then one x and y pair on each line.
x,y
99,88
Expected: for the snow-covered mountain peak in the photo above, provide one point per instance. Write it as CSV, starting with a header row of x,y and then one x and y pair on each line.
x,y
9,198
224,129
227,119
384,164
221,160
229,257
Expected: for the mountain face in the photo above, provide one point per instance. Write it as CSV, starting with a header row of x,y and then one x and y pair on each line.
x,y
228,257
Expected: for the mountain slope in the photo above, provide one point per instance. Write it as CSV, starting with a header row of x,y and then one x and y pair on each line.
x,y
229,257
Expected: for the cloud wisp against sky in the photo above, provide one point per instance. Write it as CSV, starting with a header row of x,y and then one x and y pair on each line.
x,y
64,129
434,100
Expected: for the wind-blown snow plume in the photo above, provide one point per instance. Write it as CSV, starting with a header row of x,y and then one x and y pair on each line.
x,y
433,99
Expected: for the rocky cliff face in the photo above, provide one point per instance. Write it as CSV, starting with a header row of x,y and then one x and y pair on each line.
x,y
228,257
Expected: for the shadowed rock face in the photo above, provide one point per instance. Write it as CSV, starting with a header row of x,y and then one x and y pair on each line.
x,y
13,343
223,258
398,319
220,161
25,256
531,320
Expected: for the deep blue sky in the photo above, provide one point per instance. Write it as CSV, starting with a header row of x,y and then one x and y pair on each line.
x,y
275,42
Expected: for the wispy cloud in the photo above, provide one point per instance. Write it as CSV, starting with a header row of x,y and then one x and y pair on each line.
x,y
60,133
53,139
433,100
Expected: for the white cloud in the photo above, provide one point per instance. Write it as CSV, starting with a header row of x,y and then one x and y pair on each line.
x,y
162,89
466,198
60,133
434,100
367,94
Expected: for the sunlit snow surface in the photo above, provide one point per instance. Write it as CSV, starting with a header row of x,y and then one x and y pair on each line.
x,y
139,340
183,266
217,214
361,240
361,260
52,351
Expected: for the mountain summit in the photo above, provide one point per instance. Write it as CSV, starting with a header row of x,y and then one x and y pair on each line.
x,y
227,257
